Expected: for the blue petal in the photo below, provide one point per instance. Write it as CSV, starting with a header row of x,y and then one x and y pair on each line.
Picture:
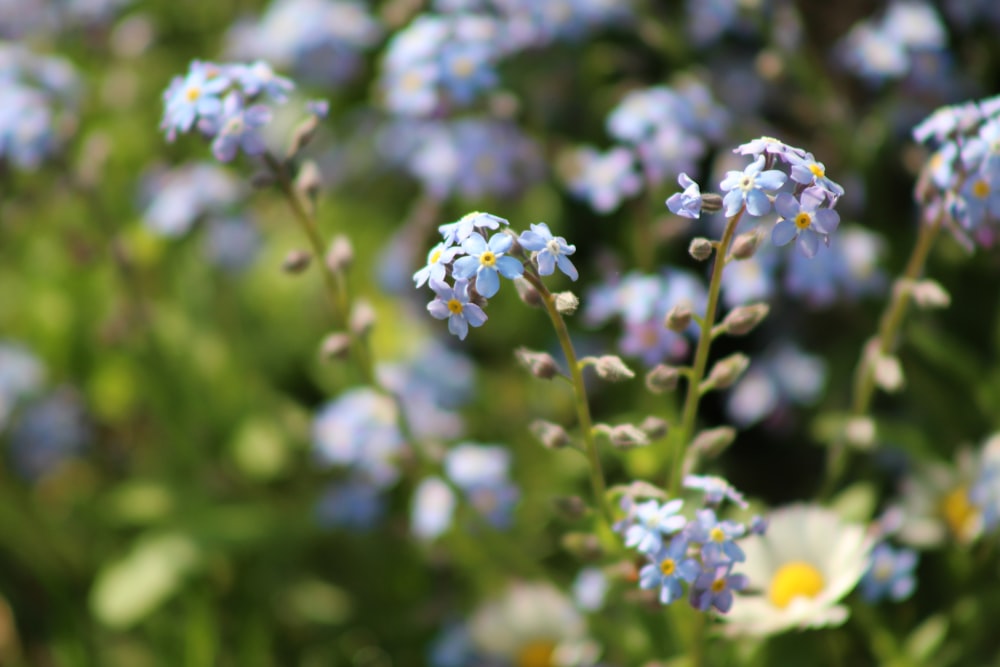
x,y
458,326
487,282
783,232
808,242
733,201
531,241
509,267
500,243
546,263
465,267
758,203
826,220
474,314
786,205
567,267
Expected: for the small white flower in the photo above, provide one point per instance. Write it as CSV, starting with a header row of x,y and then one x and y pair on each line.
x,y
807,561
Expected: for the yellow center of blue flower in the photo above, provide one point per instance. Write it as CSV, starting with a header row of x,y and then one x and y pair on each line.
x,y
716,535
980,189
792,580
883,569
455,306
463,67
803,220
958,512
668,566
435,257
718,585
536,654
817,170
488,259
193,93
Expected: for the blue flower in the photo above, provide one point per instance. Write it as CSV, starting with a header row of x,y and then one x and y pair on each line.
x,y
359,430
551,251
354,503
747,188
889,574
716,537
259,78
769,146
802,219
603,180
486,261
669,567
437,259
716,489
714,588
192,97
240,129
456,232
807,171
652,523
483,473
454,304
686,204
466,70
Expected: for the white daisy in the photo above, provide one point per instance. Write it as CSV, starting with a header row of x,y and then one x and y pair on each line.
x,y
532,625
807,561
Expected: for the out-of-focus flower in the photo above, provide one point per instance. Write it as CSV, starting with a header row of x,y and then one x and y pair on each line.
x,y
783,375
179,197
353,503
890,574
603,180
21,376
808,560
48,432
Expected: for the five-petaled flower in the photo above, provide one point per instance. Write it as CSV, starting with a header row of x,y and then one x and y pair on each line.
x,y
748,186
551,251
485,261
453,303
804,220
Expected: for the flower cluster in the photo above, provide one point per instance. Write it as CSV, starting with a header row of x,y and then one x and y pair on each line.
x,y
699,551
802,194
230,104
476,260
961,181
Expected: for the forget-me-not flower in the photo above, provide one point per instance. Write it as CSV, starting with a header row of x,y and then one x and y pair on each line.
x,y
195,96
551,250
456,232
687,203
802,219
240,129
487,262
889,574
716,489
453,303
669,567
435,268
748,187
652,523
714,588
716,537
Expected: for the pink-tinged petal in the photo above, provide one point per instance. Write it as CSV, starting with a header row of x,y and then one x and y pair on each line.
x,y
783,232
458,326
786,205
812,198
826,220
474,314
438,309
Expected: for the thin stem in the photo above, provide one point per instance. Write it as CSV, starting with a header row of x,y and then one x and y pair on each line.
x,y
885,342
334,281
689,415
580,394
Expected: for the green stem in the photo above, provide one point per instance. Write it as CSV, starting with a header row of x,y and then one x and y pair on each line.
x,y
334,280
885,343
580,395
689,415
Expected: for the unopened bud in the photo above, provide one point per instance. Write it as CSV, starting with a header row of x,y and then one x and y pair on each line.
x,y
627,436
726,371
746,244
572,508
309,180
929,294
711,202
362,317
700,248
584,546
566,302
611,368
860,432
654,427
678,319
296,261
712,442
552,436
540,364
662,378
527,292
340,256
743,319
888,373
303,134
336,346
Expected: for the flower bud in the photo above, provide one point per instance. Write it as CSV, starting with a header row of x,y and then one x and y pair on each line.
x,y
539,364
296,261
654,427
743,319
711,202
662,378
888,373
860,432
552,436
336,346
309,181
572,508
726,371
746,244
302,135
627,436
340,256
611,368
930,294
528,293
362,317
678,319
712,442
700,248
566,302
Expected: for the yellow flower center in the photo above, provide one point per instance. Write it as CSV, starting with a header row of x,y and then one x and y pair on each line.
x,y
718,585
435,256
536,654
958,512
803,220
193,93
488,259
463,67
792,580
455,306
716,535
668,566
980,189
817,170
